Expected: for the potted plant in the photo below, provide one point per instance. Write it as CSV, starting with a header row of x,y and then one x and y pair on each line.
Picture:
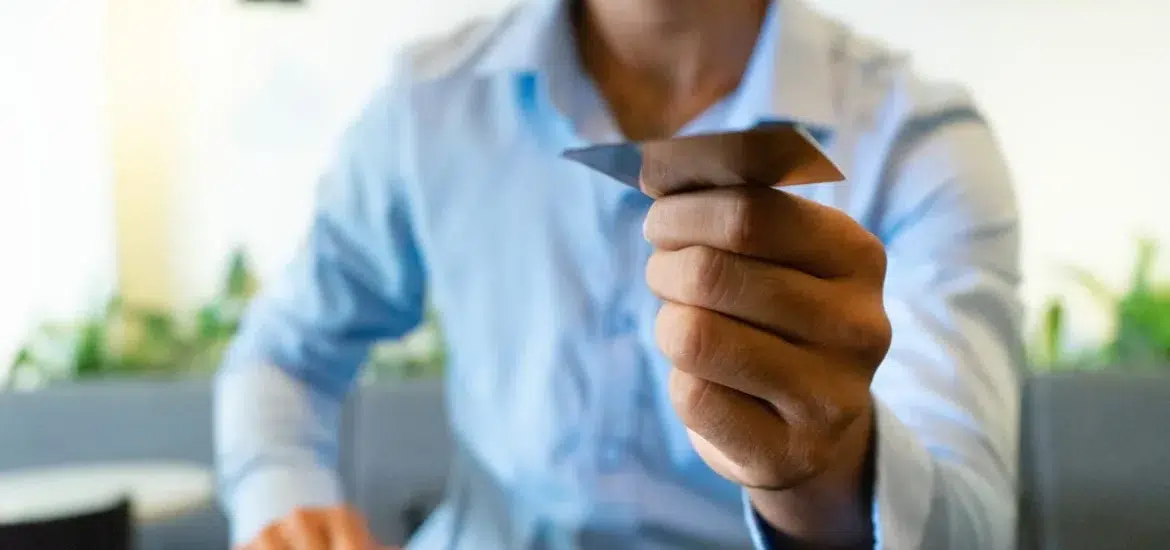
x,y
122,341
418,355
1093,419
1140,337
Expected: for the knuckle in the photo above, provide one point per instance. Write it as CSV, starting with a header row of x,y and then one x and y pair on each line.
x,y
824,412
871,252
813,413
657,217
869,333
657,271
742,224
880,336
835,416
687,395
300,516
303,519
707,276
683,333
273,533
805,459
267,533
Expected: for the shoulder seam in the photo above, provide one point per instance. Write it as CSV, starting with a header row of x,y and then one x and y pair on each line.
x,y
441,56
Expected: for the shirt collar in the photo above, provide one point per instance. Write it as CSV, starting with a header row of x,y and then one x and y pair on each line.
x,y
789,78
533,39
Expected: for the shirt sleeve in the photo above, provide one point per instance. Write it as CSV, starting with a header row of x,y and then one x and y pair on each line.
x,y
356,279
947,395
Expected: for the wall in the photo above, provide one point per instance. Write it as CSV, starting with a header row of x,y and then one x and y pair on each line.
x,y
268,89
1077,89
56,224
149,89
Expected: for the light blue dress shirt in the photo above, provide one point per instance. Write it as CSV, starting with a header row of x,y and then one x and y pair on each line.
x,y
450,185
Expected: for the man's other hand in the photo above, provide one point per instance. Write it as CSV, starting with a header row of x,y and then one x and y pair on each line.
x,y
774,323
335,528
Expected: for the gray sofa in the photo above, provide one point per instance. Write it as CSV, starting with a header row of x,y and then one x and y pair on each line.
x,y
1095,458
149,420
1095,462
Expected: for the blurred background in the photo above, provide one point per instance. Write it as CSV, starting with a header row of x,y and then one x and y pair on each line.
x,y
158,161
145,141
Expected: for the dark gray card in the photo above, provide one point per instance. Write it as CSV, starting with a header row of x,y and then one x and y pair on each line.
x,y
774,155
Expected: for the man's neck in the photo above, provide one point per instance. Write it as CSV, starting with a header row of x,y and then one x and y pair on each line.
x,y
673,58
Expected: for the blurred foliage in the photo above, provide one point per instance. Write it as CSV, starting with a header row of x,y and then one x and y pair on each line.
x,y
420,354
1140,340
124,340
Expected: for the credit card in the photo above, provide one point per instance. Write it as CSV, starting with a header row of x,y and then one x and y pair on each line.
x,y
775,155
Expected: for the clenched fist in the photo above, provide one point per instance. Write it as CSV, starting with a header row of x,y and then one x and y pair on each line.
x,y
317,529
773,321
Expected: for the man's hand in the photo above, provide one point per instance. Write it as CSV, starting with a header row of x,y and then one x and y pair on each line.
x,y
775,326
317,529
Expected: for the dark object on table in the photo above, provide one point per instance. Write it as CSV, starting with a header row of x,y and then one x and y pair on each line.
x,y
417,512
108,529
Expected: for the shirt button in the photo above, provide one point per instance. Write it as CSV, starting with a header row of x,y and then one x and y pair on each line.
x,y
621,323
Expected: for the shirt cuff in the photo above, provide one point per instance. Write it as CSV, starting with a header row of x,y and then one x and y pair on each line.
x,y
905,483
759,531
902,497
268,494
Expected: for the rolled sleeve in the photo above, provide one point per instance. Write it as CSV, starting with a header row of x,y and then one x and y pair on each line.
x,y
357,279
761,533
905,483
948,392
947,395
269,494
276,447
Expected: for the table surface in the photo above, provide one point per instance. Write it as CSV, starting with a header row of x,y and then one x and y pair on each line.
x,y
158,491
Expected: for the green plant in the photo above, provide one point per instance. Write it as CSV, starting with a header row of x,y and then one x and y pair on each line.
x,y
1140,339
121,339
124,340
420,354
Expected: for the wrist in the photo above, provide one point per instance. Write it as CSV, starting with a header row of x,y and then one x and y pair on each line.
x,y
832,510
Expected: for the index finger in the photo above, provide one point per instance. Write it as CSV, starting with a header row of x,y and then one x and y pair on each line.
x,y
767,224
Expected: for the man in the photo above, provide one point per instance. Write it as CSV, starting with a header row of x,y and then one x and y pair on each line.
x,y
833,366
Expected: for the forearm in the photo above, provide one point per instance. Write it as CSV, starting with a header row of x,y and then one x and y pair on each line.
x,y
276,446
832,511
947,395
919,501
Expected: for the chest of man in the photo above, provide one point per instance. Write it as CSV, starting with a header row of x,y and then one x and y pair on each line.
x,y
538,265
555,382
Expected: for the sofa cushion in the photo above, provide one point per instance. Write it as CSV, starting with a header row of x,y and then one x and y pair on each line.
x,y
118,420
401,455
1095,462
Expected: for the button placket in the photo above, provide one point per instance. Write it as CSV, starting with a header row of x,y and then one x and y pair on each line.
x,y
620,334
